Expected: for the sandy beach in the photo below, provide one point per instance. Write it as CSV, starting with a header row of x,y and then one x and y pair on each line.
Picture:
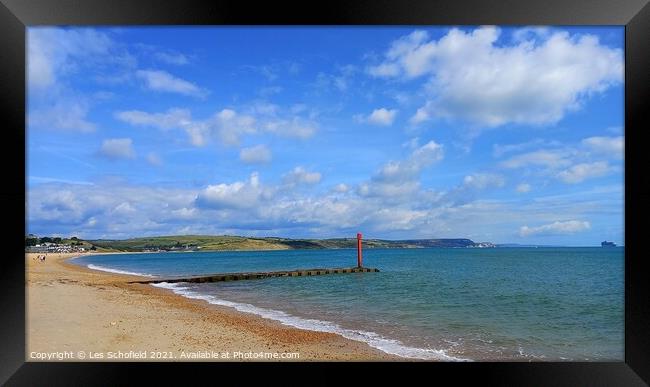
x,y
78,314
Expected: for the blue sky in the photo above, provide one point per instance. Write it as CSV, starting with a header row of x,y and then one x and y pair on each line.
x,y
501,134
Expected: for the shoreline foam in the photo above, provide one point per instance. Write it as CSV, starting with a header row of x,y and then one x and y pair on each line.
x,y
117,271
389,346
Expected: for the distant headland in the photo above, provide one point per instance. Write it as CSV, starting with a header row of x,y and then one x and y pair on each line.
x,y
227,242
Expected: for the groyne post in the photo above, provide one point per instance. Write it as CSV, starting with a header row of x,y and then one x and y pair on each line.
x,y
359,256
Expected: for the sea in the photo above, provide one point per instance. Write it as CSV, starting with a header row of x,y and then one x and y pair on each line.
x,y
449,304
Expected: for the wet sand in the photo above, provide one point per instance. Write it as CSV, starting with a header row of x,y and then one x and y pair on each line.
x,y
78,314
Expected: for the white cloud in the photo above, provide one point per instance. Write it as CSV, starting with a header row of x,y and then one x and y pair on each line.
x,y
65,115
238,195
271,90
339,80
258,154
399,178
56,56
412,143
381,116
159,80
53,53
341,188
123,209
154,159
556,228
293,127
523,188
611,146
171,57
388,189
229,126
226,125
248,207
161,54
300,175
41,179
185,213
583,171
498,150
421,115
173,118
483,180
422,157
546,158
118,148
384,70
536,81
105,210
40,66
197,133
263,108
59,204
570,164
427,154
468,190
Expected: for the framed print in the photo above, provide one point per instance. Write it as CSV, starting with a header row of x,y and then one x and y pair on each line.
x,y
370,186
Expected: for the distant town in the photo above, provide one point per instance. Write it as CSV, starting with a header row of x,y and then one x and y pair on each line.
x,y
34,244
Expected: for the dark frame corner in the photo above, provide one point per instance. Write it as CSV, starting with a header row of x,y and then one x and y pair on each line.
x,y
16,15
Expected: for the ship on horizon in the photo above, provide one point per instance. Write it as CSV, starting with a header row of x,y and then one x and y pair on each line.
x,y
607,244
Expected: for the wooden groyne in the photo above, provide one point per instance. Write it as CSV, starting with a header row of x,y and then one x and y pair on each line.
x,y
258,275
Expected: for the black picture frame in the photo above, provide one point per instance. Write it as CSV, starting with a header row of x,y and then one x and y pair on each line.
x,y
16,15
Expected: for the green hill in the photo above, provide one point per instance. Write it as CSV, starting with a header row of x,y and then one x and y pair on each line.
x,y
226,242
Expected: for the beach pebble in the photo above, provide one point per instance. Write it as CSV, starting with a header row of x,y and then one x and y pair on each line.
x,y
113,323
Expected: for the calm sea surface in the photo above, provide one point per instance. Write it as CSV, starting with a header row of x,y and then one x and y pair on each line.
x,y
529,304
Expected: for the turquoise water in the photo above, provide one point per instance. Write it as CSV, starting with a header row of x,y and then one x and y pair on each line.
x,y
528,304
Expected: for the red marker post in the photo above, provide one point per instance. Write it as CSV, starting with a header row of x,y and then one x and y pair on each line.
x,y
359,257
